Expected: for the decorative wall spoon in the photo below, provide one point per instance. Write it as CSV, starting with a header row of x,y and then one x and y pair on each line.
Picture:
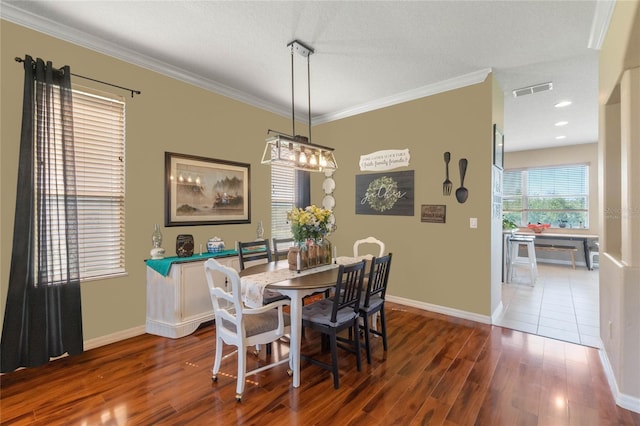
x,y
462,193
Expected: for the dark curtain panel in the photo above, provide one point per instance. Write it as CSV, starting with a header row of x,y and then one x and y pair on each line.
x,y
43,315
303,189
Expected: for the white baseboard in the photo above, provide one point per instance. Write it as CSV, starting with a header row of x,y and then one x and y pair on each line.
x,y
485,319
497,313
623,400
112,338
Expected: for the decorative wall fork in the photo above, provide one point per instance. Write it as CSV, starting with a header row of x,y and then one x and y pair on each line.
x,y
447,184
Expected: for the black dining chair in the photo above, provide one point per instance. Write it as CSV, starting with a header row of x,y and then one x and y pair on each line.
x,y
373,301
253,250
281,248
258,250
340,312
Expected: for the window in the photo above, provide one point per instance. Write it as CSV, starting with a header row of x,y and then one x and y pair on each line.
x,y
99,137
283,199
555,195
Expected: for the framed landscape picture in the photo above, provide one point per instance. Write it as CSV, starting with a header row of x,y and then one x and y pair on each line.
x,y
205,191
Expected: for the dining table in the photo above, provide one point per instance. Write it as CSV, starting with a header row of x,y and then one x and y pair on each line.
x,y
296,285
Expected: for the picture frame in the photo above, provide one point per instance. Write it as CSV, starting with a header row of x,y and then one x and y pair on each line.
x,y
206,191
433,213
498,147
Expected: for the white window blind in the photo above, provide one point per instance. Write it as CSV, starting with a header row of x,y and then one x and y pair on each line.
x,y
555,195
283,196
99,141
99,131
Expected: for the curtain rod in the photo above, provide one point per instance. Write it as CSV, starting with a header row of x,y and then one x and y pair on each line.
x,y
133,92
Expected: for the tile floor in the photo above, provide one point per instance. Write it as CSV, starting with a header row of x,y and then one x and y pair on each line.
x,y
563,304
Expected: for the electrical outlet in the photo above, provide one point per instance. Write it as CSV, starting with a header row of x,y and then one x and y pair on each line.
x,y
473,222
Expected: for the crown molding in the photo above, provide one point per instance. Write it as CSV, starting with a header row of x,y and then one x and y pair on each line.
x,y
410,95
46,26
600,23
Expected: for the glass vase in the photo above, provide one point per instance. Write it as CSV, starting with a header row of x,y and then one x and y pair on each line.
x,y
298,256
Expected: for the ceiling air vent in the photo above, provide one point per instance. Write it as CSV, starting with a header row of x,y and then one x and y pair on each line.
x,y
530,90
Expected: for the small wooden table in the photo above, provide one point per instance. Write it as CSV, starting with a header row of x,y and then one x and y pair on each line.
x,y
296,289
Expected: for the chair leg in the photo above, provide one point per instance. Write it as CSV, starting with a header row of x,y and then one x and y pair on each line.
x,y
242,361
334,361
367,337
217,359
383,328
357,343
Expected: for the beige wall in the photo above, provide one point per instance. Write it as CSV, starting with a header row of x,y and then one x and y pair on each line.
x,y
441,265
619,149
574,154
168,116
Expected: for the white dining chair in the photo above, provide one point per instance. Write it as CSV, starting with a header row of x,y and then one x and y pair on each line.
x,y
368,240
240,326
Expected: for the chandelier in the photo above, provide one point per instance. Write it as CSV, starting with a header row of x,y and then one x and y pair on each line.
x,y
297,151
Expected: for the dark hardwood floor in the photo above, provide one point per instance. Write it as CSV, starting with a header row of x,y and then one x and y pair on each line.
x,y
438,370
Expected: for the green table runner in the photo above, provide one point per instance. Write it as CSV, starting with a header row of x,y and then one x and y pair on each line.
x,y
162,266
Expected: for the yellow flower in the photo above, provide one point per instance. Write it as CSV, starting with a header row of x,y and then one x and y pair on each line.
x,y
311,222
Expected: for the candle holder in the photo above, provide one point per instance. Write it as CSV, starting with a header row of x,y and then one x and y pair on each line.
x,y
157,252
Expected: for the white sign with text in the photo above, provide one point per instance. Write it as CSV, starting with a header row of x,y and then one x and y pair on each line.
x,y
385,160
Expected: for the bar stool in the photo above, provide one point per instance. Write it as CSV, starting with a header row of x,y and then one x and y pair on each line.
x,y
594,251
514,245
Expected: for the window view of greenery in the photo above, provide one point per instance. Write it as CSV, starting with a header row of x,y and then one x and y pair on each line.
x,y
558,196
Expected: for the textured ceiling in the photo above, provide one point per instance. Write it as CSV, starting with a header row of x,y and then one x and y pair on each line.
x,y
367,54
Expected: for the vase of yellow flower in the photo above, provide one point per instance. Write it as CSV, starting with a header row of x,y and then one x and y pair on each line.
x,y
309,227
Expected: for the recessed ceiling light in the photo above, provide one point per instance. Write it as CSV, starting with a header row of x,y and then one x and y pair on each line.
x,y
561,123
562,104
561,137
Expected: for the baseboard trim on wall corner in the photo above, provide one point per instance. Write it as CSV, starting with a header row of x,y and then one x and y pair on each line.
x,y
114,337
625,401
497,313
472,316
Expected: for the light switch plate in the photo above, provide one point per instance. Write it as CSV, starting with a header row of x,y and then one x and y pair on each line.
x,y
473,222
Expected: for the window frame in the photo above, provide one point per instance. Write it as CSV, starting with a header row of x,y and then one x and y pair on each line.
x,y
525,211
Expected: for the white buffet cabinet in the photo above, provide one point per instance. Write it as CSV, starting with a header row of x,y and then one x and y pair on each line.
x,y
179,302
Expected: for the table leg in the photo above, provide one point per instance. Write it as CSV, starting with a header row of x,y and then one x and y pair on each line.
x,y
296,336
587,258
295,313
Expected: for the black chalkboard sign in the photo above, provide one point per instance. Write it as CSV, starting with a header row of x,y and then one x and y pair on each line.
x,y
385,193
